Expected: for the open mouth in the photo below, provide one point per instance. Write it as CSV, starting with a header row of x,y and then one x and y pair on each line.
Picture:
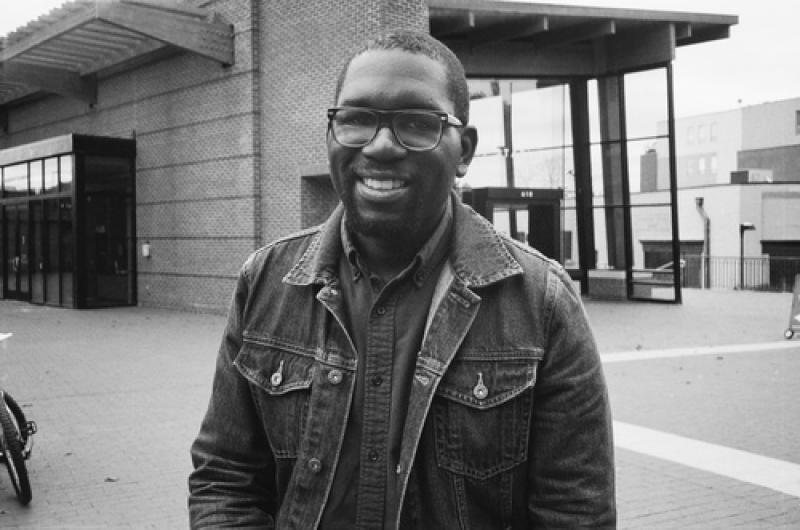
x,y
383,184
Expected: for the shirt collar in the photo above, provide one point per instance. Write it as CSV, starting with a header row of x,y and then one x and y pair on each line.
x,y
478,254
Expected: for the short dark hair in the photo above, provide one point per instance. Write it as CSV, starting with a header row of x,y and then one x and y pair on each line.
x,y
423,44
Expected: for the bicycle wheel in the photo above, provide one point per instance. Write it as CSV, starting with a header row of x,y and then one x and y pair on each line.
x,y
11,441
16,410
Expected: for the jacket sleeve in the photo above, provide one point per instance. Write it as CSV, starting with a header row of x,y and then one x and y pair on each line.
x,y
571,456
232,484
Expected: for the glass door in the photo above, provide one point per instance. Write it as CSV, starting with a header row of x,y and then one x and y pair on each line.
x,y
17,252
37,252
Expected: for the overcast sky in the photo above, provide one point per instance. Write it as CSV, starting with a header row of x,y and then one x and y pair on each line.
x,y
758,63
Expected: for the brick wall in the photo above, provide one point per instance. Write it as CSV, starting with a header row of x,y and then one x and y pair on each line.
x,y
194,124
221,151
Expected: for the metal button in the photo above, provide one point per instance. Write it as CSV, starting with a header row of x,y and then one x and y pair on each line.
x,y
333,292
381,310
373,456
314,465
335,377
277,378
377,380
480,391
399,469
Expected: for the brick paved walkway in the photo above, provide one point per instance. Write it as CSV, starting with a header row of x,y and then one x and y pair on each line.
x,y
118,395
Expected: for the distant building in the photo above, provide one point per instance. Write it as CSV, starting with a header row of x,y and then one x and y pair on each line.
x,y
757,143
733,167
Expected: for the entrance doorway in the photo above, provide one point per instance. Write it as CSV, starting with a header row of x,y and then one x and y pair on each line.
x,y
67,222
529,215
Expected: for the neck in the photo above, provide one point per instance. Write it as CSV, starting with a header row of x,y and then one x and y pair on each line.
x,y
383,257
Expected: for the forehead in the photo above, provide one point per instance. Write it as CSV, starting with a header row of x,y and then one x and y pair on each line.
x,y
395,78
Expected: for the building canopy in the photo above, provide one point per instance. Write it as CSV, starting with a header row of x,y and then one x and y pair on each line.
x,y
511,39
60,51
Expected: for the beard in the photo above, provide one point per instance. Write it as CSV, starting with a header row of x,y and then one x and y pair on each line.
x,y
401,228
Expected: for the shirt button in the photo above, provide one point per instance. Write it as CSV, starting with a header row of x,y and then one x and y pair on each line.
x,y
377,380
373,456
381,310
335,377
314,465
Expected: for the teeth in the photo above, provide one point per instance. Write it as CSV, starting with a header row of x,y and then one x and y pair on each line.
x,y
376,184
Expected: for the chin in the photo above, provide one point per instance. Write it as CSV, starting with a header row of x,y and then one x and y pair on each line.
x,y
399,230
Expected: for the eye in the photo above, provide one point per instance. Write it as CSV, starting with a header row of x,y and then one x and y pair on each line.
x,y
355,118
419,122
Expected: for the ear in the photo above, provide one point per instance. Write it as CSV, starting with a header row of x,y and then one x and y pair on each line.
x,y
469,142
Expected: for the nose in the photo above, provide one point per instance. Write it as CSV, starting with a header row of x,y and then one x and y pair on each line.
x,y
384,145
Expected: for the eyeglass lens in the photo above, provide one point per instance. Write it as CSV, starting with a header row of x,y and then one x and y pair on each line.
x,y
414,130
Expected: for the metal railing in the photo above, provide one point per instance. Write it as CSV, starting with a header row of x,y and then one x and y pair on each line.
x,y
762,273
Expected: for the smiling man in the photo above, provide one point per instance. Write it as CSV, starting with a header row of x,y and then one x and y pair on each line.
x,y
404,365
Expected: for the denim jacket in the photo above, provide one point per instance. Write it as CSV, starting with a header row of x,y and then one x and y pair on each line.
x,y
508,421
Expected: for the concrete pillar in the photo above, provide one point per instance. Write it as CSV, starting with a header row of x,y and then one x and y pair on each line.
x,y
614,186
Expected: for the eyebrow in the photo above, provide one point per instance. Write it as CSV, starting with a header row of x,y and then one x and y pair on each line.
x,y
407,100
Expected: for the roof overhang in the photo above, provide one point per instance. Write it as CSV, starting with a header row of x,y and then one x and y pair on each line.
x,y
62,51
512,39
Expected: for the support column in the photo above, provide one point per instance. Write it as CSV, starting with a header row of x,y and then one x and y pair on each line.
x,y
582,158
614,185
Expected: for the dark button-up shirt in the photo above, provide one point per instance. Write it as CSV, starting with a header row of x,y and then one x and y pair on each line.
x,y
386,322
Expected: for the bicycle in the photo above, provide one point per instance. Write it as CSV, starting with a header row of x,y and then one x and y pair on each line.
x,y
16,442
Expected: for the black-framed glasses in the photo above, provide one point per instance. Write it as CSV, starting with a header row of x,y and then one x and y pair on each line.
x,y
416,130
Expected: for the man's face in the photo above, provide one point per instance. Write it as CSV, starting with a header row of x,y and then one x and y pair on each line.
x,y
388,191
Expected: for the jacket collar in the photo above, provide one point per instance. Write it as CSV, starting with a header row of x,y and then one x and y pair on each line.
x,y
479,256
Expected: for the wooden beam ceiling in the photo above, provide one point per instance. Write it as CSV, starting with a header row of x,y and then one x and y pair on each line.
x,y
517,28
54,80
60,52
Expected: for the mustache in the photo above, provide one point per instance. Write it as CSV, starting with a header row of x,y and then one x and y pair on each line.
x,y
377,171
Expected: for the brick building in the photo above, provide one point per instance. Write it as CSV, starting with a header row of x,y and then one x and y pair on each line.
x,y
147,146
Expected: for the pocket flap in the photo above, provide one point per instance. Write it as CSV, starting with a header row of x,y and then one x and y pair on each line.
x,y
275,370
483,384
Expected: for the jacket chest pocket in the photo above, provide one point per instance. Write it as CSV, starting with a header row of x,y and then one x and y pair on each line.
x,y
482,415
281,382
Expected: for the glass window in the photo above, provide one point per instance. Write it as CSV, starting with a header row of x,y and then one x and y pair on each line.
x,y
541,116
65,172
702,134
545,168
646,103
797,122
36,177
648,165
51,175
690,135
712,132
15,180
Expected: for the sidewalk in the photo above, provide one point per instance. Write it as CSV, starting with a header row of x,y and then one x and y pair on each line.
x,y
118,395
